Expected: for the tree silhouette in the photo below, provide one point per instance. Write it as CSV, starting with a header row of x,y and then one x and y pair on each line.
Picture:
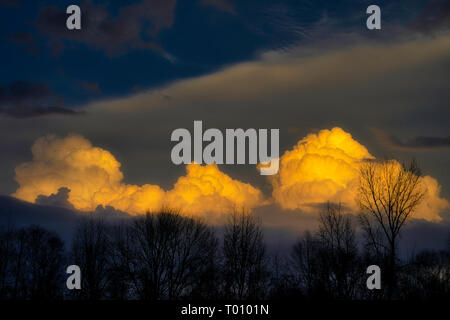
x,y
165,254
244,257
388,194
7,238
340,253
327,263
32,262
91,252
426,276
306,264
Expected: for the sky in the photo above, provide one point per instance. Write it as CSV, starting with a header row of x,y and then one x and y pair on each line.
x,y
86,116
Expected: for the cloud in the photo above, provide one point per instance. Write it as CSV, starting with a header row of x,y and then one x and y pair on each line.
x,y
52,217
136,25
92,174
420,143
433,204
17,92
60,199
281,229
325,167
23,99
372,84
94,179
395,84
55,218
298,74
321,167
207,188
109,212
36,111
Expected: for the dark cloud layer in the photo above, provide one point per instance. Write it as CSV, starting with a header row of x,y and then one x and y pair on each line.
x,y
36,111
19,91
60,199
23,99
417,236
429,142
53,217
135,26
22,214
420,143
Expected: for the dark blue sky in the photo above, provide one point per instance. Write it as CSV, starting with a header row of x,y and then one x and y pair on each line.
x,y
181,39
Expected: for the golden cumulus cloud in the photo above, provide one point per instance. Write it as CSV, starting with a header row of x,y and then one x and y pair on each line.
x,y
206,188
325,167
94,178
433,204
321,167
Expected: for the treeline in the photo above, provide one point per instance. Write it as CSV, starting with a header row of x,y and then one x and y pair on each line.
x,y
166,256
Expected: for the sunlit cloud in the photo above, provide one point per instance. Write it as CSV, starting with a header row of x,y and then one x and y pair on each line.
x,y
325,167
206,188
94,179
321,167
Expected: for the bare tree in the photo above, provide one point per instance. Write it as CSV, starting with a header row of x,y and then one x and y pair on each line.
x,y
165,254
33,265
339,251
283,282
307,265
336,230
121,253
327,262
244,254
45,257
91,251
7,237
389,192
427,276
